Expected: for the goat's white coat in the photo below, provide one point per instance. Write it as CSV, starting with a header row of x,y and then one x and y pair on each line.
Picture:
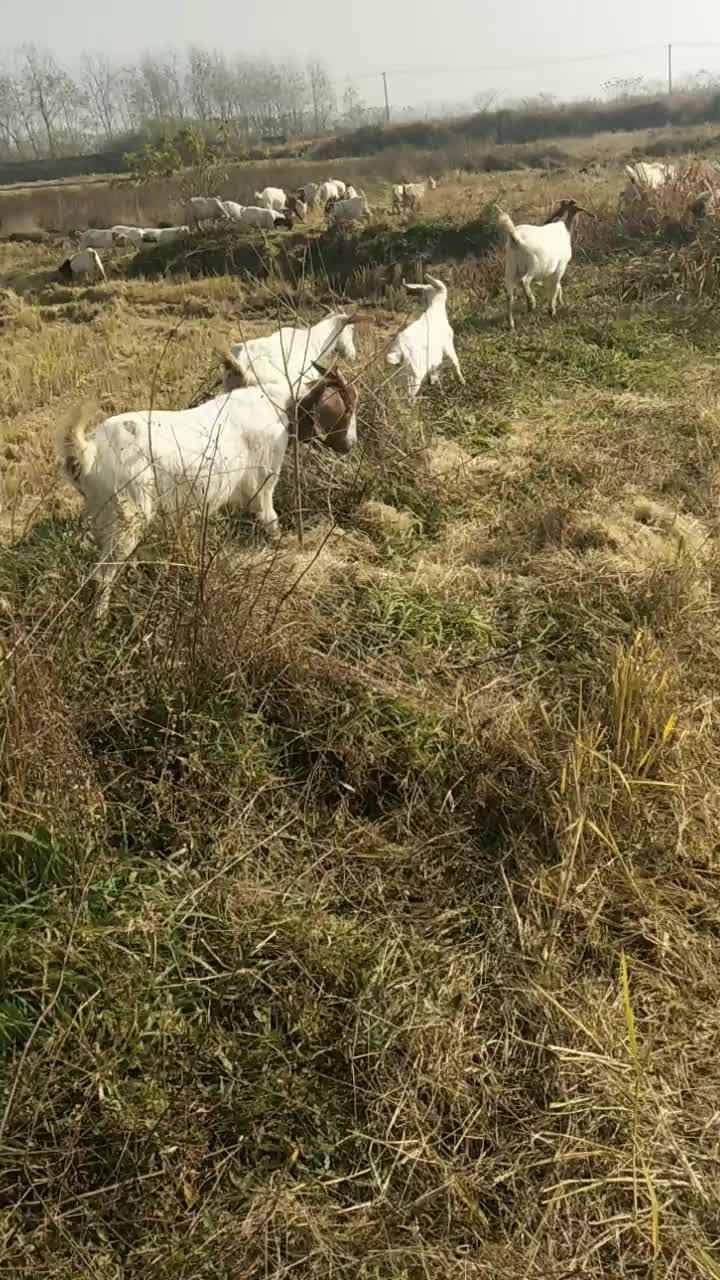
x,y
535,253
234,210
412,194
647,176
329,191
86,263
133,235
228,451
287,356
253,216
205,209
425,344
351,210
271,198
163,235
100,238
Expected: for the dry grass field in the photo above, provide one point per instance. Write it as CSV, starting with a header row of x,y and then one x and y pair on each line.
x,y
360,907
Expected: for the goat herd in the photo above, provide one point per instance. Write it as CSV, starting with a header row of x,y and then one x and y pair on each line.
x,y
230,449
273,210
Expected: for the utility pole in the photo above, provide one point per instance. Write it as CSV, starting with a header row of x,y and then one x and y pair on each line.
x,y
387,100
669,71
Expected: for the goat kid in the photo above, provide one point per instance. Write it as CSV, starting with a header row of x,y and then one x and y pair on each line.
x,y
425,344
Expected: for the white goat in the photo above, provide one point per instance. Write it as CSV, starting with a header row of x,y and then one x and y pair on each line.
x,y
268,219
99,238
85,263
645,176
204,209
341,188
234,210
346,211
412,195
288,355
228,451
538,253
125,235
163,235
271,198
329,191
428,341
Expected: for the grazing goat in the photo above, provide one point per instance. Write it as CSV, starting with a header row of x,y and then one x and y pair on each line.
x,y
234,210
328,191
287,356
271,198
413,194
253,216
538,253
101,238
297,207
428,341
228,451
346,211
163,235
204,209
125,235
644,177
85,263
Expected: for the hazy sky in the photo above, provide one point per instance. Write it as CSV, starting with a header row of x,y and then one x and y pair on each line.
x,y
355,36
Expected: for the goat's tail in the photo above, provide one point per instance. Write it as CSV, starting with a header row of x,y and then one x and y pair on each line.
x,y
508,226
76,450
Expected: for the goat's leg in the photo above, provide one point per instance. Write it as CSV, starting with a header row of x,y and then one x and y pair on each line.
x,y
262,507
452,357
529,296
118,539
557,294
510,291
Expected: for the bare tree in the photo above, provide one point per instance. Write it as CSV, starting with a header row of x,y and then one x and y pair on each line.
x,y
323,95
101,83
51,95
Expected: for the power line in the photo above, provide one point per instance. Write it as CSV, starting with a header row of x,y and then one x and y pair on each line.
x,y
489,68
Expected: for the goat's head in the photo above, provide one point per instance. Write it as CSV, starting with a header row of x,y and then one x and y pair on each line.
x,y
327,412
286,219
297,206
567,211
330,206
65,270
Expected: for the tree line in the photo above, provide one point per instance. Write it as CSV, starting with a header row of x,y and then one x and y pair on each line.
x,y
49,109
